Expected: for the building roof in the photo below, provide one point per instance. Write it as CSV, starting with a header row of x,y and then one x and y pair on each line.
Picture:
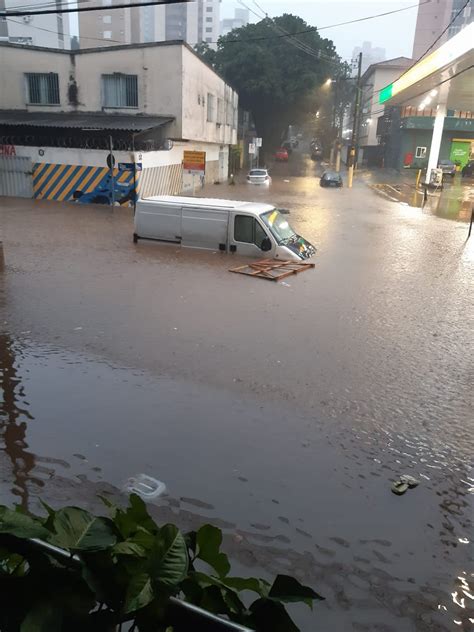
x,y
448,69
83,120
396,62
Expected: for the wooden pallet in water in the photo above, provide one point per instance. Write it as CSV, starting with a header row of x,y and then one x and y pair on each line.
x,y
272,269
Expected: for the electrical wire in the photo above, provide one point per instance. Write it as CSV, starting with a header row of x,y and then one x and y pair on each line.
x,y
77,9
81,37
321,28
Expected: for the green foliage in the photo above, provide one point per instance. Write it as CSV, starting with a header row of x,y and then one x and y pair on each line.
x,y
125,569
276,80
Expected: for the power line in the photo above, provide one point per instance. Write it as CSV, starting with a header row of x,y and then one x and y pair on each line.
x,y
142,3
321,28
81,37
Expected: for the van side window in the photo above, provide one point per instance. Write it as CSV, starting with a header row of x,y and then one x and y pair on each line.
x,y
248,230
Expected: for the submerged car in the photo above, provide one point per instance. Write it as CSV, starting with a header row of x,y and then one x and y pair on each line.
x,y
331,179
447,167
258,176
281,154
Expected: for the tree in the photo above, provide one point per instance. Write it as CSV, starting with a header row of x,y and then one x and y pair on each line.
x,y
276,80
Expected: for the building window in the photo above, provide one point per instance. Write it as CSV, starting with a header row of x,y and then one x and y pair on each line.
x,y
420,152
209,19
209,9
119,91
211,100
208,30
248,230
107,19
208,40
42,88
220,111
107,34
107,3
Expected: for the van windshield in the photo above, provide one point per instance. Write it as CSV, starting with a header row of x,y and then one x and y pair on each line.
x,y
279,226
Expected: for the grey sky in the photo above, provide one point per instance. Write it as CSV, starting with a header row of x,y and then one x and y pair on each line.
x,y
393,32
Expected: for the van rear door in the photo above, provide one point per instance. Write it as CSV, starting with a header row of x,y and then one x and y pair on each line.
x,y
157,220
204,228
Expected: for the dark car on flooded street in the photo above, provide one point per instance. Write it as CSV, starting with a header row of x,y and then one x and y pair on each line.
x,y
331,179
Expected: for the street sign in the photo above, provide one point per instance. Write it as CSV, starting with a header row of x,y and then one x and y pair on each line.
x,y
251,148
194,161
258,142
129,166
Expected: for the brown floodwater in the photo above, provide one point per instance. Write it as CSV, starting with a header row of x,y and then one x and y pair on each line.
x,y
281,412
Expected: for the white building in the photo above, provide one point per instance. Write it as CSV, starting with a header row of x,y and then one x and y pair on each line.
x,y
241,18
50,30
372,81
61,112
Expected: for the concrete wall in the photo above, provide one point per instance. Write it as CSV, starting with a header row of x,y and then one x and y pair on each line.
x,y
198,82
413,138
15,62
377,80
172,81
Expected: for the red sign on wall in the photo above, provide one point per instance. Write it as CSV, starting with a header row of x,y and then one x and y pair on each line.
x,y
7,150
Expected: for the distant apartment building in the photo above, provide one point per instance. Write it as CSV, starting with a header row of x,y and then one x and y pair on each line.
x,y
434,17
109,26
370,55
240,19
39,30
190,22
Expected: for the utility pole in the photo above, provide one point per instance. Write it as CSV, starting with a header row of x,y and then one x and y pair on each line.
x,y
355,126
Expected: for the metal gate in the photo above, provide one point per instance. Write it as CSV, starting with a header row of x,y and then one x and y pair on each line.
x,y
16,176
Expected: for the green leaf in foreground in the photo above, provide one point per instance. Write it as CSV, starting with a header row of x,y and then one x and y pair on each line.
x,y
169,556
209,540
78,530
43,617
288,589
20,525
139,593
271,616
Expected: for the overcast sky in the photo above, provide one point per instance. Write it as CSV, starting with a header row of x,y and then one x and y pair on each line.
x,y
393,32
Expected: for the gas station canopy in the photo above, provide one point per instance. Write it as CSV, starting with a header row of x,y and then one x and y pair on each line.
x,y
450,66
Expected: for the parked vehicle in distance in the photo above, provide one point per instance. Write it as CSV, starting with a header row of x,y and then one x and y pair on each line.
x,y
281,154
258,176
316,153
247,228
288,146
468,169
331,179
447,167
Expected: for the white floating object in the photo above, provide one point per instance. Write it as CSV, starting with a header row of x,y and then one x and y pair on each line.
x,y
145,486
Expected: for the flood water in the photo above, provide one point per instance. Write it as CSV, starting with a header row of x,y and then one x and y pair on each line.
x,y
281,413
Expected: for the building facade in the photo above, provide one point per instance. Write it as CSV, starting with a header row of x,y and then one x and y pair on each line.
x,y
372,81
139,107
191,22
35,30
434,17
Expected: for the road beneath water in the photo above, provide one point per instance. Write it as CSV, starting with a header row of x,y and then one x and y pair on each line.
x,y
281,412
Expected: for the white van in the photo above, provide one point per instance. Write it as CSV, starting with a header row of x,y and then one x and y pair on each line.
x,y
247,228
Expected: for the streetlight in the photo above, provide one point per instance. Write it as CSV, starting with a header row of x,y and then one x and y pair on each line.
x,y
328,82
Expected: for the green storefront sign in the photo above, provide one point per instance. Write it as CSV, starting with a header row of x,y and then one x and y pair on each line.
x,y
460,152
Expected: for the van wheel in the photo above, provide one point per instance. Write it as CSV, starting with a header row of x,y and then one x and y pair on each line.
x,y
135,238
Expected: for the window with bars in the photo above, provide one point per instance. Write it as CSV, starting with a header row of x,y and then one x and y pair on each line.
x,y
119,91
42,88
220,111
